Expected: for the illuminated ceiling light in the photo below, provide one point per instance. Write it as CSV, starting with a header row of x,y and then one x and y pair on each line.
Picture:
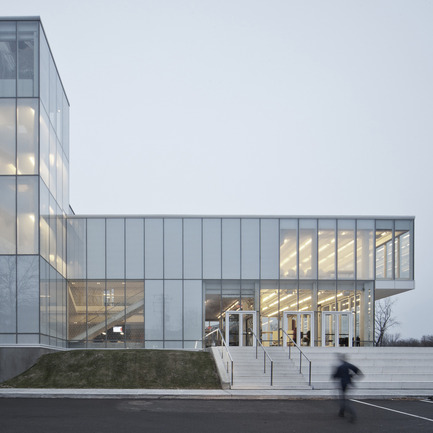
x,y
32,160
32,217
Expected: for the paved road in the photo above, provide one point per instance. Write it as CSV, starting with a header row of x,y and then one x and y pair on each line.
x,y
179,416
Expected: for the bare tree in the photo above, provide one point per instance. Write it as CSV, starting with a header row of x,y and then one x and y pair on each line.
x,y
383,319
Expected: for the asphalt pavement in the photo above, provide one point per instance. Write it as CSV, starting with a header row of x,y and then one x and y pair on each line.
x,y
55,415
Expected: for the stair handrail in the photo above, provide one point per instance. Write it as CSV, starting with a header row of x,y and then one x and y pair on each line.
x,y
265,354
301,354
224,346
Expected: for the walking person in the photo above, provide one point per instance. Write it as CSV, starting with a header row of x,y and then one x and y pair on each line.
x,y
344,373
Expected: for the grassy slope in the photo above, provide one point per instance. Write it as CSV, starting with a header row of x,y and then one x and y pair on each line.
x,y
164,369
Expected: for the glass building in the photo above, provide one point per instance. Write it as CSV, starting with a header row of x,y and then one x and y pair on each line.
x,y
166,281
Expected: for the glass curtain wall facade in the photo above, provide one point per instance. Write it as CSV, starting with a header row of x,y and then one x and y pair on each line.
x,y
163,282
34,199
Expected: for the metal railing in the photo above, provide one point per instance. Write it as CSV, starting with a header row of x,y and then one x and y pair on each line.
x,y
301,354
229,360
265,355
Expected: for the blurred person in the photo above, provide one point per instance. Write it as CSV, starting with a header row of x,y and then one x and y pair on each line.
x,y
344,373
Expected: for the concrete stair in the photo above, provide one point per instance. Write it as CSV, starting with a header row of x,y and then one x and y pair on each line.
x,y
382,368
388,368
248,372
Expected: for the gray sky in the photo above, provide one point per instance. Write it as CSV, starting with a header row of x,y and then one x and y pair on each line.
x,y
251,107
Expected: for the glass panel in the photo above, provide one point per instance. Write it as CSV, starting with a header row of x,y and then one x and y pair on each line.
x,y
173,248
250,248
154,310
269,241
153,250
135,248
65,138
8,59
59,176
231,249
44,296
96,320
364,247
7,215
308,248
288,248
28,293
346,249
65,183
115,304
28,59
192,256
77,325
403,249
326,249
193,310
212,309
211,248
384,249
135,313
44,147
53,92
76,248
59,109
27,138
45,71
307,296
53,230
95,248
52,304
249,290
173,310
8,293
27,218
115,248
7,136
53,163
269,309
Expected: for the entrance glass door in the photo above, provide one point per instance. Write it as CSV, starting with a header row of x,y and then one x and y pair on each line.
x,y
337,328
299,326
238,326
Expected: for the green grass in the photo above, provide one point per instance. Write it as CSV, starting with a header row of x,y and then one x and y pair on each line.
x,y
127,369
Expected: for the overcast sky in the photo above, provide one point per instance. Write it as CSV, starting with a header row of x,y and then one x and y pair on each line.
x,y
251,107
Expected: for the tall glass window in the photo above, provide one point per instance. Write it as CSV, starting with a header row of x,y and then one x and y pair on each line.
x,y
115,248
211,248
27,136
269,241
173,248
403,249
45,72
173,297
154,247
44,147
28,294
154,310
250,248
8,293
95,248
134,248
231,249
346,249
134,313
7,215
326,249
96,317
192,254
384,250
28,58
364,249
7,135
27,218
288,248
307,249
8,59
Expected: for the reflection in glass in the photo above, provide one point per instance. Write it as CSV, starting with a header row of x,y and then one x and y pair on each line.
x,y
27,218
28,293
77,310
346,249
307,249
288,248
8,59
96,320
326,249
134,314
365,249
383,251
28,59
402,249
231,253
7,136
8,293
115,307
27,138
7,215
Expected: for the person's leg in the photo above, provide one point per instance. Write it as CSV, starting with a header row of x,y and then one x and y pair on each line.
x,y
342,400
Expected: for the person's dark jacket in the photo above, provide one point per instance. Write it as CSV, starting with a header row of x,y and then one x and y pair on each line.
x,y
343,372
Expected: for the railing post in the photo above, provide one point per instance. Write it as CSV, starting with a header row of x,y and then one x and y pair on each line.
x,y
272,373
300,362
